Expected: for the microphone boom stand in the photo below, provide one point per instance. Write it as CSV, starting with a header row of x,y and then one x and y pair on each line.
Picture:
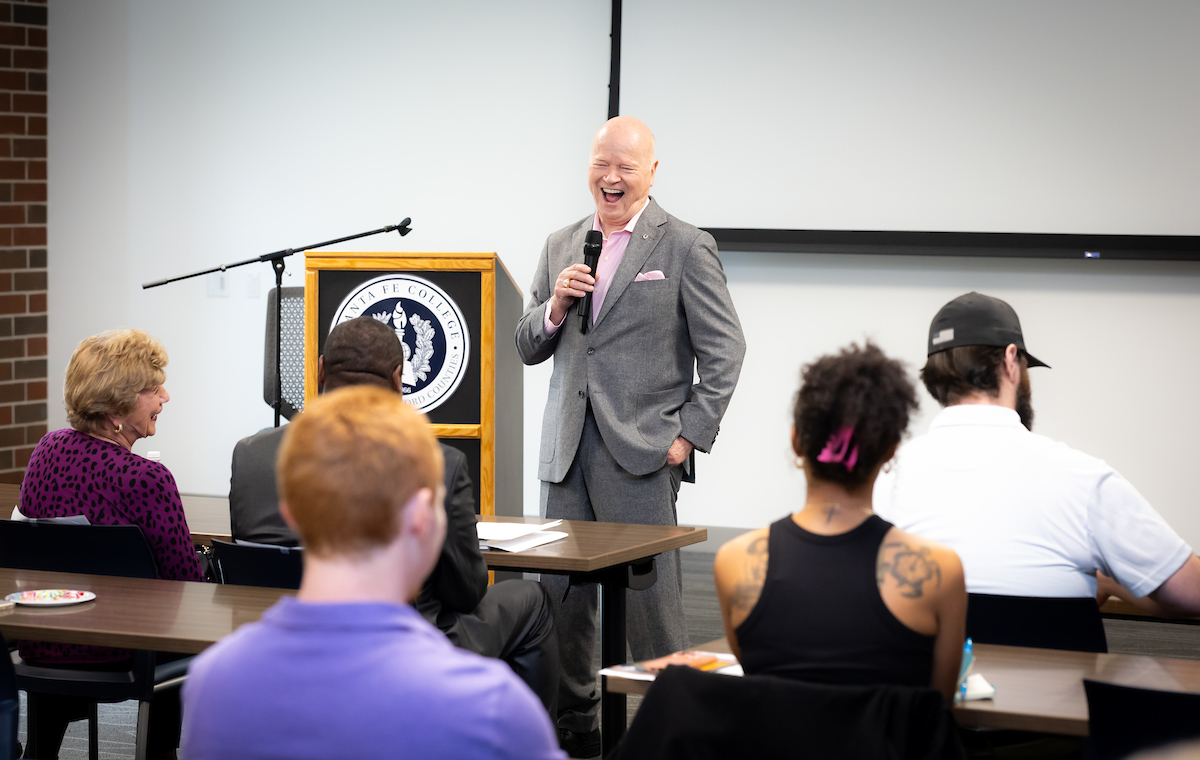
x,y
276,258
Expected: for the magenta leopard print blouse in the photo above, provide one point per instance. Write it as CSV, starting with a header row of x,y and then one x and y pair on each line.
x,y
72,473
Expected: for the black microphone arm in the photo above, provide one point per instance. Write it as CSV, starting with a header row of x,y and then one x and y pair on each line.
x,y
402,228
276,258
591,258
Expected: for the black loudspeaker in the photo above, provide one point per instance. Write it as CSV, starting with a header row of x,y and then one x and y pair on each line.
x,y
292,348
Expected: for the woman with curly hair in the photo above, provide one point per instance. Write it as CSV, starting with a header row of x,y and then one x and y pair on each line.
x,y
113,393
833,593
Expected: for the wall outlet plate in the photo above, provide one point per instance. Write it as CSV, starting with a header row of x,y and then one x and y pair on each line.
x,y
218,285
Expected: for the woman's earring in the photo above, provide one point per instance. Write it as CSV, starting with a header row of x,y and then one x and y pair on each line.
x,y
798,461
887,466
118,428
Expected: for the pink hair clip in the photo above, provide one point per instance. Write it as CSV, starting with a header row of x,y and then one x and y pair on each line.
x,y
837,449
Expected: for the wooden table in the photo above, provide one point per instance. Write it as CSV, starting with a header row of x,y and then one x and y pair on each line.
x,y
10,494
1042,689
615,555
207,518
1119,609
1036,689
134,613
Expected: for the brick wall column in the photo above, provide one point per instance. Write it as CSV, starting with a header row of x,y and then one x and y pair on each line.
x,y
22,234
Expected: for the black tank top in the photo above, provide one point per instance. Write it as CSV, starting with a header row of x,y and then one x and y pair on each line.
x,y
820,617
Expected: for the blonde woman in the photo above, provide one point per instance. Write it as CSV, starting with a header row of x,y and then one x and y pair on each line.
x,y
113,393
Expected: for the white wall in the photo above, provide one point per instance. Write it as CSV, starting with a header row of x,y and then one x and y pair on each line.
x,y
184,136
188,135
1075,116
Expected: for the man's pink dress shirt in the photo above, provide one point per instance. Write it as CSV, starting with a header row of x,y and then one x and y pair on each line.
x,y
611,253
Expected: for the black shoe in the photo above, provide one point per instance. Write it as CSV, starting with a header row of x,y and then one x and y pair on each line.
x,y
580,745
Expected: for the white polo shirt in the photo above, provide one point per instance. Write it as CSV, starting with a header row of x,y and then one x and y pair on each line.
x,y
1027,515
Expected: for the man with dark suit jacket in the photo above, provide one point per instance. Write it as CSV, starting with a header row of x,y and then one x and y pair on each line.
x,y
623,414
511,620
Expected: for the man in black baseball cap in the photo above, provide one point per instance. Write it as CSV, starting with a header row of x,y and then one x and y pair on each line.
x,y
1028,516
976,350
978,320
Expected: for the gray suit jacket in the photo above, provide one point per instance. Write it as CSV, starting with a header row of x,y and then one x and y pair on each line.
x,y
636,362
458,581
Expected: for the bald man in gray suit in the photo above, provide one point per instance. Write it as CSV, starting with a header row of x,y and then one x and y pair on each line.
x,y
623,414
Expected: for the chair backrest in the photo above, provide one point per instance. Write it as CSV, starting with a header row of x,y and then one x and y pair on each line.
x,y
693,715
258,565
10,705
1028,621
1123,720
292,339
94,549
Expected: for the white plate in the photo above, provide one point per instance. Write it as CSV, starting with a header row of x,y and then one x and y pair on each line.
x,y
50,597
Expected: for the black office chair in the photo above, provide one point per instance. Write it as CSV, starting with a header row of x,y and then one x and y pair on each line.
x,y
10,706
1027,621
98,550
693,715
93,549
258,565
1123,720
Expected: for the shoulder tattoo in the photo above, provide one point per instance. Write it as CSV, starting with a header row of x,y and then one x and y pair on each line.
x,y
911,567
756,559
754,575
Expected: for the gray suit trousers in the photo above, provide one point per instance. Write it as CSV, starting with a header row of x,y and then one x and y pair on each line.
x,y
597,488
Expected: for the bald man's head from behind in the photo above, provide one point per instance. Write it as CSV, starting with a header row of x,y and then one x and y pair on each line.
x,y
361,351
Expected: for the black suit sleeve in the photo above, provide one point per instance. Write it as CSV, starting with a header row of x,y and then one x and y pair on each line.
x,y
459,580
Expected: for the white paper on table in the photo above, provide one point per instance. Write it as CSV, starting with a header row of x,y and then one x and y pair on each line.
x,y
628,675
503,531
522,543
733,668
978,688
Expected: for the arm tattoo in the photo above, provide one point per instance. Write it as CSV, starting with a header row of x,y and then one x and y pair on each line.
x,y
745,596
911,568
756,560
754,575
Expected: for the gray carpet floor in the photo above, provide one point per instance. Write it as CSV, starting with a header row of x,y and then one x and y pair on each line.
x,y
118,722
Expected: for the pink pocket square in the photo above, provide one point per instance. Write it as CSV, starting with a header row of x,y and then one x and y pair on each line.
x,y
647,276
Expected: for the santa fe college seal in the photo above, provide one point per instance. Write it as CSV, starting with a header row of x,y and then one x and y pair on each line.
x,y
429,325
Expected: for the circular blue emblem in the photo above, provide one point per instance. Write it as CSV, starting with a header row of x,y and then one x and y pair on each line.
x,y
429,325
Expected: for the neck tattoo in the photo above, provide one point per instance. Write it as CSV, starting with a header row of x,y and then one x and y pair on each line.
x,y
831,508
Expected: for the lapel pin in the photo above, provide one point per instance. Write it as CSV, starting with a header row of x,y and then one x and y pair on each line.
x,y
645,236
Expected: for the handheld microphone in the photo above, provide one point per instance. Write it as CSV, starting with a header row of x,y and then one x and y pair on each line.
x,y
591,258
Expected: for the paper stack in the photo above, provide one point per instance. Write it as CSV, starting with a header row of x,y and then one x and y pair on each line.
x,y
516,537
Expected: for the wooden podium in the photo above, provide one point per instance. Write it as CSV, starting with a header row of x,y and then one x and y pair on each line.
x,y
455,313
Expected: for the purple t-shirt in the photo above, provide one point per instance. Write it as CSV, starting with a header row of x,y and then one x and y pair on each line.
x,y
368,680
72,473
